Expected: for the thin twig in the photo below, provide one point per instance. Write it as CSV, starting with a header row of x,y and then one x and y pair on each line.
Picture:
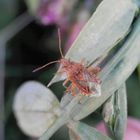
x,y
13,28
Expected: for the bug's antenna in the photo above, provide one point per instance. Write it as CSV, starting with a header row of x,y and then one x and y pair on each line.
x,y
59,37
39,68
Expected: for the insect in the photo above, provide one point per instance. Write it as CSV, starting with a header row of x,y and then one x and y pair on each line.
x,y
81,78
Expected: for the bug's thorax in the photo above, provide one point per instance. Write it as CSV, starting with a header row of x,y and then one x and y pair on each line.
x,y
70,66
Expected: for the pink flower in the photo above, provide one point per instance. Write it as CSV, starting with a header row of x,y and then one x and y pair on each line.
x,y
132,131
48,12
55,11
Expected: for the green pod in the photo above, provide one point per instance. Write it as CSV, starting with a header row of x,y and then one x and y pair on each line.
x,y
115,113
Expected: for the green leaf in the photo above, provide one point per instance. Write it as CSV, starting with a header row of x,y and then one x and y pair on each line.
x,y
115,113
123,64
82,131
36,108
65,117
107,26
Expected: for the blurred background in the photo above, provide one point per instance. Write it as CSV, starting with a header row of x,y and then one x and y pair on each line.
x,y
28,39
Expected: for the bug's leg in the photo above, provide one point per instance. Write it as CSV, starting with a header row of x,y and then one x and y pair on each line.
x,y
72,90
68,89
94,70
80,87
65,82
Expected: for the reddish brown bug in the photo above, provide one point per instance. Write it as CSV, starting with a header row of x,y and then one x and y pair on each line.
x,y
82,78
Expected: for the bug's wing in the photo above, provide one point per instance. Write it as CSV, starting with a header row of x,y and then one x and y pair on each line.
x,y
94,87
82,79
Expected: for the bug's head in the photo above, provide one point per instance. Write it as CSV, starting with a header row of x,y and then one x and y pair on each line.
x,y
65,63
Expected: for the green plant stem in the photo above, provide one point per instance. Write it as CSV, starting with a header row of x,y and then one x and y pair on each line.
x,y
63,119
60,122
2,73
14,27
